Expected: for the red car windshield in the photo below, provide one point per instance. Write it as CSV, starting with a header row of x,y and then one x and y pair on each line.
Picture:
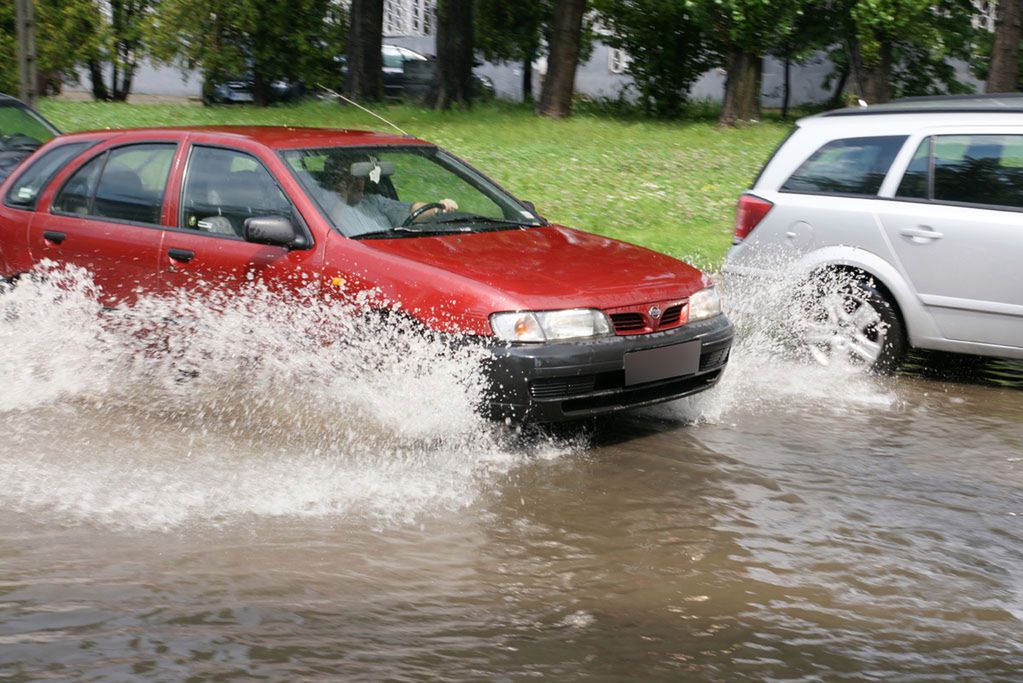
x,y
396,192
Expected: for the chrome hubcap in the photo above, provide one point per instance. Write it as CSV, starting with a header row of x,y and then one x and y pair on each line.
x,y
845,329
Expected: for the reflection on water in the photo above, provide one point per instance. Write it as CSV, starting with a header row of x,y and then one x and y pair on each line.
x,y
953,367
338,511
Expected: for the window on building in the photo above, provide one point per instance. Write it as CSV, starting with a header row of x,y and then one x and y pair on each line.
x,y
408,17
617,61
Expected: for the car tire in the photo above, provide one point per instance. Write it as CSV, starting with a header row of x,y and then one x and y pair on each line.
x,y
850,320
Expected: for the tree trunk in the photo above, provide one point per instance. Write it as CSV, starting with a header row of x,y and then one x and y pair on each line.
x,y
872,82
454,54
559,83
742,88
123,89
527,76
99,88
787,89
836,97
1004,73
260,89
365,79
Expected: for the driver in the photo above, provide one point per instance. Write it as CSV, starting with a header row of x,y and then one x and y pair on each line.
x,y
358,212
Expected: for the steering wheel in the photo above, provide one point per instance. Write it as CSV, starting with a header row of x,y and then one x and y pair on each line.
x,y
419,212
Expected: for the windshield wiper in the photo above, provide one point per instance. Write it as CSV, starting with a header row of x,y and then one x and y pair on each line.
x,y
405,230
477,218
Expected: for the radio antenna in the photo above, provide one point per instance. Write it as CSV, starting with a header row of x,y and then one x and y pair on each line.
x,y
342,97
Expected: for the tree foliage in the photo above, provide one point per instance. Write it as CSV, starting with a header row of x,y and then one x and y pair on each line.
x,y
264,40
904,47
66,32
522,32
668,44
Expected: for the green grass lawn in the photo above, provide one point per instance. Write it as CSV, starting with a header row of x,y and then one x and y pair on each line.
x,y
670,186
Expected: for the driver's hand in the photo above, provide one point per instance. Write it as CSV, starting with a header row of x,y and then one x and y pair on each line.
x,y
449,204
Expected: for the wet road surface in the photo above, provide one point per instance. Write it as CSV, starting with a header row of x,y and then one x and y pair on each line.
x,y
796,523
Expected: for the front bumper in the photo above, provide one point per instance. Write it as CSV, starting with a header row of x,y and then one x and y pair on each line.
x,y
562,381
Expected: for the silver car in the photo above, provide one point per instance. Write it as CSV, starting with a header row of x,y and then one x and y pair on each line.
x,y
906,221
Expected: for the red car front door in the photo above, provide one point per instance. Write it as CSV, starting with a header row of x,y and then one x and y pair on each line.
x,y
105,218
220,189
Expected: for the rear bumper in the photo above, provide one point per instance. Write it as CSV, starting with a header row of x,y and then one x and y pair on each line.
x,y
574,380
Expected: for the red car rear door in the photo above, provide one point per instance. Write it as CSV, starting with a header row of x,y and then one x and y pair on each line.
x,y
106,218
220,188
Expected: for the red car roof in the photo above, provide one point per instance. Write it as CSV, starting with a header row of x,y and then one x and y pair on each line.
x,y
281,137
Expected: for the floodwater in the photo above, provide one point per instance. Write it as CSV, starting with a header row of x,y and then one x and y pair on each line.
x,y
302,510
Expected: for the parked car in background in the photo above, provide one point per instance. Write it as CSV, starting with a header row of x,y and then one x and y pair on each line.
x,y
22,132
240,91
574,324
919,204
408,73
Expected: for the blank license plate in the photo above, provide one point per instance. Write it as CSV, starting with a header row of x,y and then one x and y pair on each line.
x,y
661,363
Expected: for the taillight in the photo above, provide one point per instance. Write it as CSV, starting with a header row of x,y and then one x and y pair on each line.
x,y
748,215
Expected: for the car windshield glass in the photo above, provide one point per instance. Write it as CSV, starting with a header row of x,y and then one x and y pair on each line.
x,y
21,130
392,192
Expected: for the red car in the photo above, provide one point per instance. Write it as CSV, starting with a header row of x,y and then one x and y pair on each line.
x,y
577,325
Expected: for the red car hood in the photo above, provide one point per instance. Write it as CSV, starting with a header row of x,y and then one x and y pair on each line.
x,y
553,266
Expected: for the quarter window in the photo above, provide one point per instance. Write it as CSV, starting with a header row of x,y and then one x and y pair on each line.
x,y
124,184
25,191
853,166
223,187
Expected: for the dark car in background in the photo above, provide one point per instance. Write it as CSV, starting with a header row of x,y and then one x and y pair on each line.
x,y
22,131
240,91
408,73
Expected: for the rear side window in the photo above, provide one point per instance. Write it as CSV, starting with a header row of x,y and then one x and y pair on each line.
x,y
25,191
124,184
853,166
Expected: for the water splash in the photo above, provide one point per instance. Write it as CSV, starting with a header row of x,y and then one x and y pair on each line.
x,y
200,411
769,366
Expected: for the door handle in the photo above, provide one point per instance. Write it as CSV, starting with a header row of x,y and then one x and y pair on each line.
x,y
54,236
921,234
182,255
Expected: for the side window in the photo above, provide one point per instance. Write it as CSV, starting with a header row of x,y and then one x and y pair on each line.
x,y
979,169
76,196
132,184
916,181
393,60
25,190
853,166
124,184
223,187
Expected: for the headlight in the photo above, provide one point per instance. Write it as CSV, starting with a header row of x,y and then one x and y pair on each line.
x,y
539,326
704,304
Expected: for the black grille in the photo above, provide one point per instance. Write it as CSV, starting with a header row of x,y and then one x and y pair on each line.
x,y
557,387
713,359
643,393
671,316
628,322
